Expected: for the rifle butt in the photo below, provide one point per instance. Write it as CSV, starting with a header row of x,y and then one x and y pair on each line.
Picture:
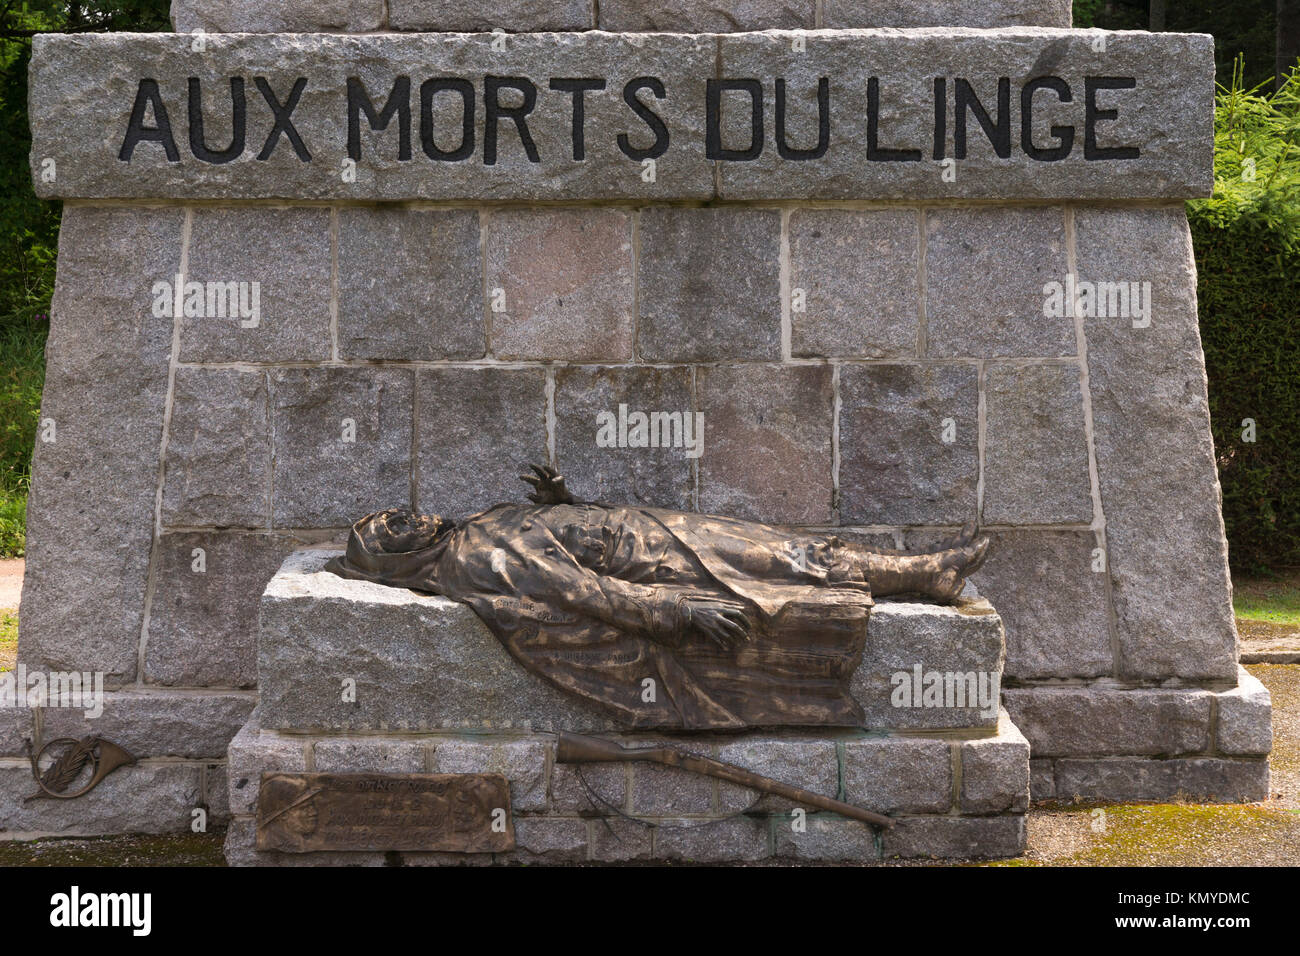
x,y
578,748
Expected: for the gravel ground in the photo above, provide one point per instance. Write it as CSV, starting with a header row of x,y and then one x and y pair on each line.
x,y
1269,642
1283,683
11,582
11,587
1165,834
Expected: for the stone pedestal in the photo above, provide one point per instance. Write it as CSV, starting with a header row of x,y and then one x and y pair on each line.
x,y
436,693
955,794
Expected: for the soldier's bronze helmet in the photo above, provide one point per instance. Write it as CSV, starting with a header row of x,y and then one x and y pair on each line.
x,y
397,547
400,530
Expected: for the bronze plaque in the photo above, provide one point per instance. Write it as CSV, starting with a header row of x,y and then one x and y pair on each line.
x,y
449,812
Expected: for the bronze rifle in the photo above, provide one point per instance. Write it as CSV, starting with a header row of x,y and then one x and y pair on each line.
x,y
576,748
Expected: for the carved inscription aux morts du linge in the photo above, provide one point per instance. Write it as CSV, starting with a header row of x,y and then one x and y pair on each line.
x,y
508,102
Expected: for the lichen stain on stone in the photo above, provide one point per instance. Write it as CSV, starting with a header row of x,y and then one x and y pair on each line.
x,y
1174,834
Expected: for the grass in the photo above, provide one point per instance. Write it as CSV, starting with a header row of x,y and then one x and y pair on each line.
x,y
13,523
8,639
1273,600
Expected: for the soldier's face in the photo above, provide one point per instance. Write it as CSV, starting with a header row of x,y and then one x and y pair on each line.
x,y
399,531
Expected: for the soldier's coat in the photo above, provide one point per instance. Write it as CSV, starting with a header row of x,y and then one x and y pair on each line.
x,y
587,597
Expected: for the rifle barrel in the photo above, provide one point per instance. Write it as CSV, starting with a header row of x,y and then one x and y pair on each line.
x,y
576,748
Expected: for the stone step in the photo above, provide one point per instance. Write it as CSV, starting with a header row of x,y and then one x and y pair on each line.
x,y
342,655
954,794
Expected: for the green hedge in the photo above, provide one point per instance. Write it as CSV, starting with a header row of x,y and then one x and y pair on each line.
x,y
1250,325
22,375
1247,242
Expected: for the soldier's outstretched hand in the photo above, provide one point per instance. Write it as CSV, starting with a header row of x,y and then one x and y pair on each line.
x,y
548,486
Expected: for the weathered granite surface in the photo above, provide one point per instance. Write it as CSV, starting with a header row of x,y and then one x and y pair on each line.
x,y
476,429
203,617
773,422
150,797
409,284
1050,590
813,761
1155,454
218,465
1202,779
995,771
686,16
899,776
516,16
343,443
922,662
909,444
1094,721
705,16
960,837
15,729
709,284
84,90
564,281
936,13
158,723
422,663
1245,717
286,252
95,470
983,294
277,16
659,477
1036,447
836,255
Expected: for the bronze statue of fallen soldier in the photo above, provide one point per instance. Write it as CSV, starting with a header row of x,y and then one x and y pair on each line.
x,y
663,618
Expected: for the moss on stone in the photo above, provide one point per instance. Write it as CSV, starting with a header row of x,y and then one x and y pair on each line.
x,y
1163,834
1193,835
168,849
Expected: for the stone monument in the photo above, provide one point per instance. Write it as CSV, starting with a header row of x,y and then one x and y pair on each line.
x,y
855,266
